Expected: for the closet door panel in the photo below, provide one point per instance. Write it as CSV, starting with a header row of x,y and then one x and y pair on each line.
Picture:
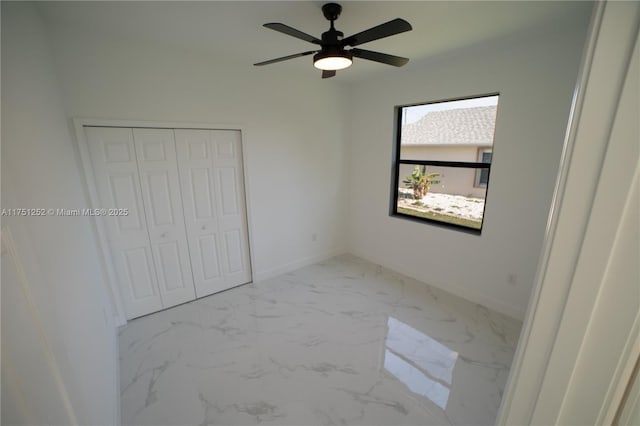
x,y
200,185
227,148
157,163
139,266
229,197
113,159
160,204
125,191
233,246
208,251
195,160
170,266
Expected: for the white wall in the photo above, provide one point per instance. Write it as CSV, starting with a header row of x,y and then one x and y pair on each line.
x,y
64,278
293,136
535,74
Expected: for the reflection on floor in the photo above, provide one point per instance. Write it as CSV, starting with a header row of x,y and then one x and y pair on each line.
x,y
340,342
419,361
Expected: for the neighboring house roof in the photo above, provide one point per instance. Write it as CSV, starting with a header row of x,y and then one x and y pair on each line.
x,y
460,127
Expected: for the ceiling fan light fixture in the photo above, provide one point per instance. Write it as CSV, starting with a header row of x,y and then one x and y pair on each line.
x,y
336,52
332,62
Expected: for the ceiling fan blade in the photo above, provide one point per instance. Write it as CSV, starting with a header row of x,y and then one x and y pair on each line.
x,y
396,61
284,58
328,74
387,29
285,29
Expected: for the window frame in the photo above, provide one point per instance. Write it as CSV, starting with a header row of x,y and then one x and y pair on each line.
x,y
397,161
477,182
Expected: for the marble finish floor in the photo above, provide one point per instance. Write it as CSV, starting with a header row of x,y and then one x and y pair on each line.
x,y
340,342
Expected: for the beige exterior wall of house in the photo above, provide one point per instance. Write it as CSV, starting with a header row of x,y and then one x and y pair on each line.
x,y
454,181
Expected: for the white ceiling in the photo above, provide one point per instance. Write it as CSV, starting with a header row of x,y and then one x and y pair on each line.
x,y
234,29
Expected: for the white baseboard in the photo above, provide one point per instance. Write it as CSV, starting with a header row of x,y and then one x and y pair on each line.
x,y
470,295
296,264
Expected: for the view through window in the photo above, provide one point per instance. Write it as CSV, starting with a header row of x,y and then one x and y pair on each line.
x,y
443,160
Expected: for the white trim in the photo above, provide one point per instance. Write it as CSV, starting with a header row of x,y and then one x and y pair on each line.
x,y
9,247
524,345
248,215
99,226
476,297
79,124
630,354
296,264
155,124
630,405
117,411
536,391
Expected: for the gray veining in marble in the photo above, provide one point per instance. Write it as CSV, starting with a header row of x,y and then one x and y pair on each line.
x,y
337,343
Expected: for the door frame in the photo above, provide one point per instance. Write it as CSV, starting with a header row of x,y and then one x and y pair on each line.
x,y
562,313
100,228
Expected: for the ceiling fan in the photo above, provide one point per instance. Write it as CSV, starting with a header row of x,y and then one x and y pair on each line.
x,y
333,54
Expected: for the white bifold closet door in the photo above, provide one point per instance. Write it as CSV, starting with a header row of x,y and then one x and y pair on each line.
x,y
210,163
113,156
156,153
185,235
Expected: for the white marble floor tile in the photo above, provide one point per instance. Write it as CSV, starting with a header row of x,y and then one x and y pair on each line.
x,y
340,342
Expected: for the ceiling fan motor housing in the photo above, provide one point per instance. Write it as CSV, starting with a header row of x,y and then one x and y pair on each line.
x,y
332,37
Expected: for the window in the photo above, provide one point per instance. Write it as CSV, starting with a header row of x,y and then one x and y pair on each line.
x,y
442,161
482,175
